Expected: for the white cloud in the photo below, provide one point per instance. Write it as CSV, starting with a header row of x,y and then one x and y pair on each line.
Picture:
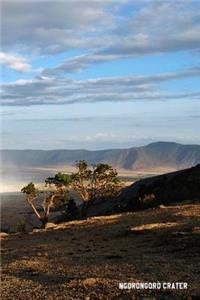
x,y
14,62
150,27
154,28
46,90
78,63
53,26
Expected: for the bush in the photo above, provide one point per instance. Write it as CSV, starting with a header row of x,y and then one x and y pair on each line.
x,y
148,200
70,212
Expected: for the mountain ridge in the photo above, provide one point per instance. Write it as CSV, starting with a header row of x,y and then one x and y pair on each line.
x,y
153,155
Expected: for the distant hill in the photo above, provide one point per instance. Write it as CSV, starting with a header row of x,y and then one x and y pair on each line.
x,y
154,155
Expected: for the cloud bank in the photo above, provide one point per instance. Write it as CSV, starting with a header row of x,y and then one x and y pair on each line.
x,y
96,32
44,90
100,29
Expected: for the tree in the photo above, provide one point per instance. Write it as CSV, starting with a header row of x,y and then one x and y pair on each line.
x,y
31,193
55,193
58,189
99,181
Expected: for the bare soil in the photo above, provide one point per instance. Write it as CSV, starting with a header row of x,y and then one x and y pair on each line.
x,y
88,259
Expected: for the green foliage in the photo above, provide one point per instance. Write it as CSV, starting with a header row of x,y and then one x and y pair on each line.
x,y
29,189
59,180
83,172
99,181
59,189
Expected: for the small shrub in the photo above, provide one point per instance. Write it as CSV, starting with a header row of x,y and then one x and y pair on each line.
x,y
70,212
148,199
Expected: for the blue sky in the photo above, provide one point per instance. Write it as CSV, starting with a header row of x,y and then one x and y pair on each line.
x,y
99,74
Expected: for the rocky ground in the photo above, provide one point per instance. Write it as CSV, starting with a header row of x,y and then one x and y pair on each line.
x,y
88,259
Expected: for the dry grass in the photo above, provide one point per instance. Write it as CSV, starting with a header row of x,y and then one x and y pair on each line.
x,y
87,259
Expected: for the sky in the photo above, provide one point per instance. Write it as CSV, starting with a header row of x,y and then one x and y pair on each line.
x,y
99,74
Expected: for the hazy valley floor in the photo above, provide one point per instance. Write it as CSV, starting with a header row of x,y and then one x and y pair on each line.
x,y
88,259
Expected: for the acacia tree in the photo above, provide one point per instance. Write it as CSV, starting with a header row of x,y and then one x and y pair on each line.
x,y
96,182
31,193
58,189
99,181
55,194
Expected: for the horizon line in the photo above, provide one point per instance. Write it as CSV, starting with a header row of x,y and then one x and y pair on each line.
x,y
93,150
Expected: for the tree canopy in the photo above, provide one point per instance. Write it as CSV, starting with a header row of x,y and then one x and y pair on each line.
x,y
89,182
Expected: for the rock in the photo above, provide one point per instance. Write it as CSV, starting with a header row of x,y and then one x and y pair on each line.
x,y
3,235
35,230
162,206
50,225
90,281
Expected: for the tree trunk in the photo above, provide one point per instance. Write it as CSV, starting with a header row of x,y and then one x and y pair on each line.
x,y
44,220
35,210
49,205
